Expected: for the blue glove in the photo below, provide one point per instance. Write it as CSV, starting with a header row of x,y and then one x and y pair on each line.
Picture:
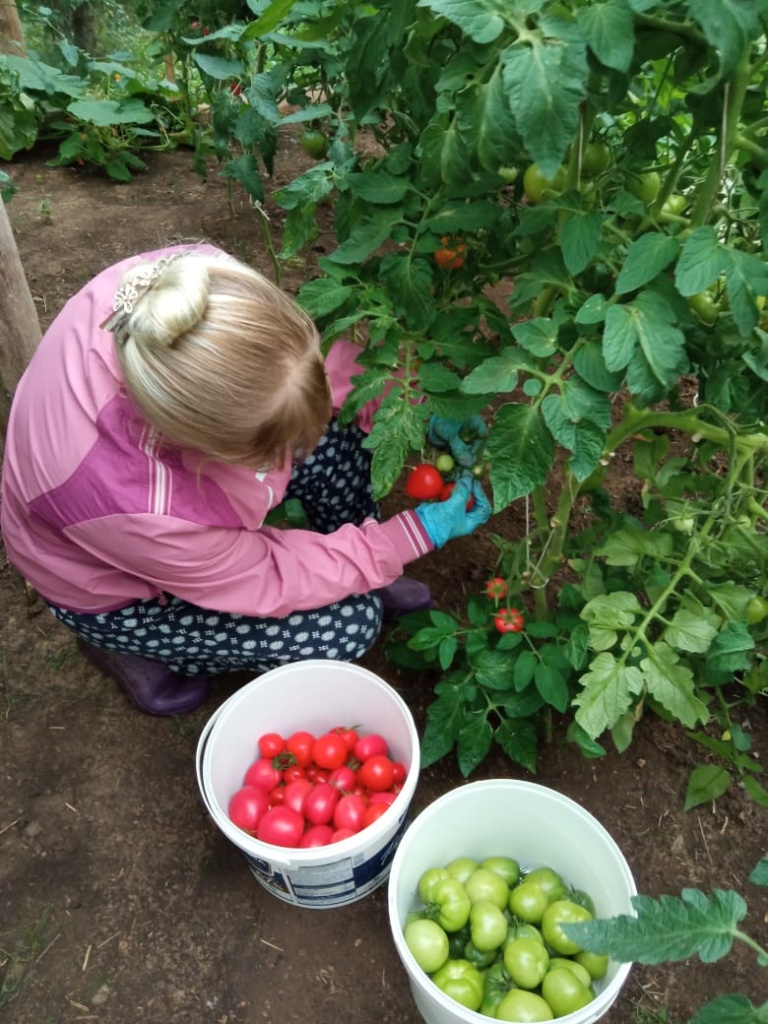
x,y
463,438
446,520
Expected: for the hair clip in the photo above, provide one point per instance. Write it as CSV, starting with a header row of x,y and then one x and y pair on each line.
x,y
127,296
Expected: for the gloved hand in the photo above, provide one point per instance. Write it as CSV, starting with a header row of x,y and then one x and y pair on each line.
x,y
446,520
463,438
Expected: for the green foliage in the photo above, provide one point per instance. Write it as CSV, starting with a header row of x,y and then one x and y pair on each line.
x,y
670,929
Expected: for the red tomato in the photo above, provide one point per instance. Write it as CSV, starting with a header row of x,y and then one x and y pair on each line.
x,y
401,772
509,620
317,835
320,803
376,773
271,744
343,778
277,795
387,798
300,745
373,812
281,826
342,833
293,772
424,482
296,794
496,588
247,807
330,751
447,491
348,734
349,812
262,773
369,745
315,774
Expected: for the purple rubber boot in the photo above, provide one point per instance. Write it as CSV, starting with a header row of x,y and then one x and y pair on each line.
x,y
149,684
403,596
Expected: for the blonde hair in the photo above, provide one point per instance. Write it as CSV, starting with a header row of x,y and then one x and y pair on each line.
x,y
221,361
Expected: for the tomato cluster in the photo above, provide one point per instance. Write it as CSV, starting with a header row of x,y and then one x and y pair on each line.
x,y
491,937
427,482
451,254
308,790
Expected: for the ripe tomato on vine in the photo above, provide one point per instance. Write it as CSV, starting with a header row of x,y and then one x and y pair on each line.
x,y
509,620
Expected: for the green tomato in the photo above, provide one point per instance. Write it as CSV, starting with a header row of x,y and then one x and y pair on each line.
x,y
506,867
595,158
508,174
673,206
444,464
705,307
549,881
524,931
428,881
538,188
578,969
582,898
428,943
485,885
314,143
595,963
528,902
460,981
449,904
757,609
481,959
555,916
564,992
523,1007
526,961
488,926
644,186
457,942
496,984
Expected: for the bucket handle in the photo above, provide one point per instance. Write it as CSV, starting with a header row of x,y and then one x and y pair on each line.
x,y
201,745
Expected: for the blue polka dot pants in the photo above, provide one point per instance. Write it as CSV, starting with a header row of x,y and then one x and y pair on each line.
x,y
333,485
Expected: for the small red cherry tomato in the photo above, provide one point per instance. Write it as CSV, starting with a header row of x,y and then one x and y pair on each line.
x,y
373,812
271,744
349,812
447,491
281,826
424,482
293,772
509,620
376,773
368,745
349,734
342,833
388,797
262,773
401,773
320,803
496,588
296,794
247,807
277,795
343,778
330,750
300,745
316,835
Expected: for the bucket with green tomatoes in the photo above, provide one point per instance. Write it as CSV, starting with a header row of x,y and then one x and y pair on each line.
x,y
481,890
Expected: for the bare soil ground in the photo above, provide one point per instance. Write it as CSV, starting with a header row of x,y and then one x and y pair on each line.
x,y
120,902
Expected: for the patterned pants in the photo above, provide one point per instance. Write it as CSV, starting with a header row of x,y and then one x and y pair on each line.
x,y
333,485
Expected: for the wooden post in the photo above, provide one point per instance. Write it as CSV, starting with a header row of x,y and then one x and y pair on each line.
x,y
19,324
11,35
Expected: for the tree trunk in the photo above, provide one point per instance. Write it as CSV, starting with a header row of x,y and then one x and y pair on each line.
x,y
11,35
19,324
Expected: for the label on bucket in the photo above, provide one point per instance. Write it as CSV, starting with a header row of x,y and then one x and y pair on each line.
x,y
333,884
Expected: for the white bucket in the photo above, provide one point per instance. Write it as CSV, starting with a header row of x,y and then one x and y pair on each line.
x,y
533,824
316,696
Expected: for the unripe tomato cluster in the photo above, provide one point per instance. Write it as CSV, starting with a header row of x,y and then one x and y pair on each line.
x,y
308,790
491,937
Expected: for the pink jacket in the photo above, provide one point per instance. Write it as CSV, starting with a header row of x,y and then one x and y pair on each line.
x,y
96,514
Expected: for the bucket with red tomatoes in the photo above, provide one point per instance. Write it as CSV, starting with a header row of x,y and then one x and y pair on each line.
x,y
309,770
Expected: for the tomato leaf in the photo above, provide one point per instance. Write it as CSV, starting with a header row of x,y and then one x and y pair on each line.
x,y
364,238
518,738
672,684
689,632
701,262
728,26
378,187
474,743
731,1009
525,451
580,236
499,373
490,119
759,874
323,296
646,257
609,30
410,282
728,653
667,929
481,20
607,690
706,783
546,83
494,670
